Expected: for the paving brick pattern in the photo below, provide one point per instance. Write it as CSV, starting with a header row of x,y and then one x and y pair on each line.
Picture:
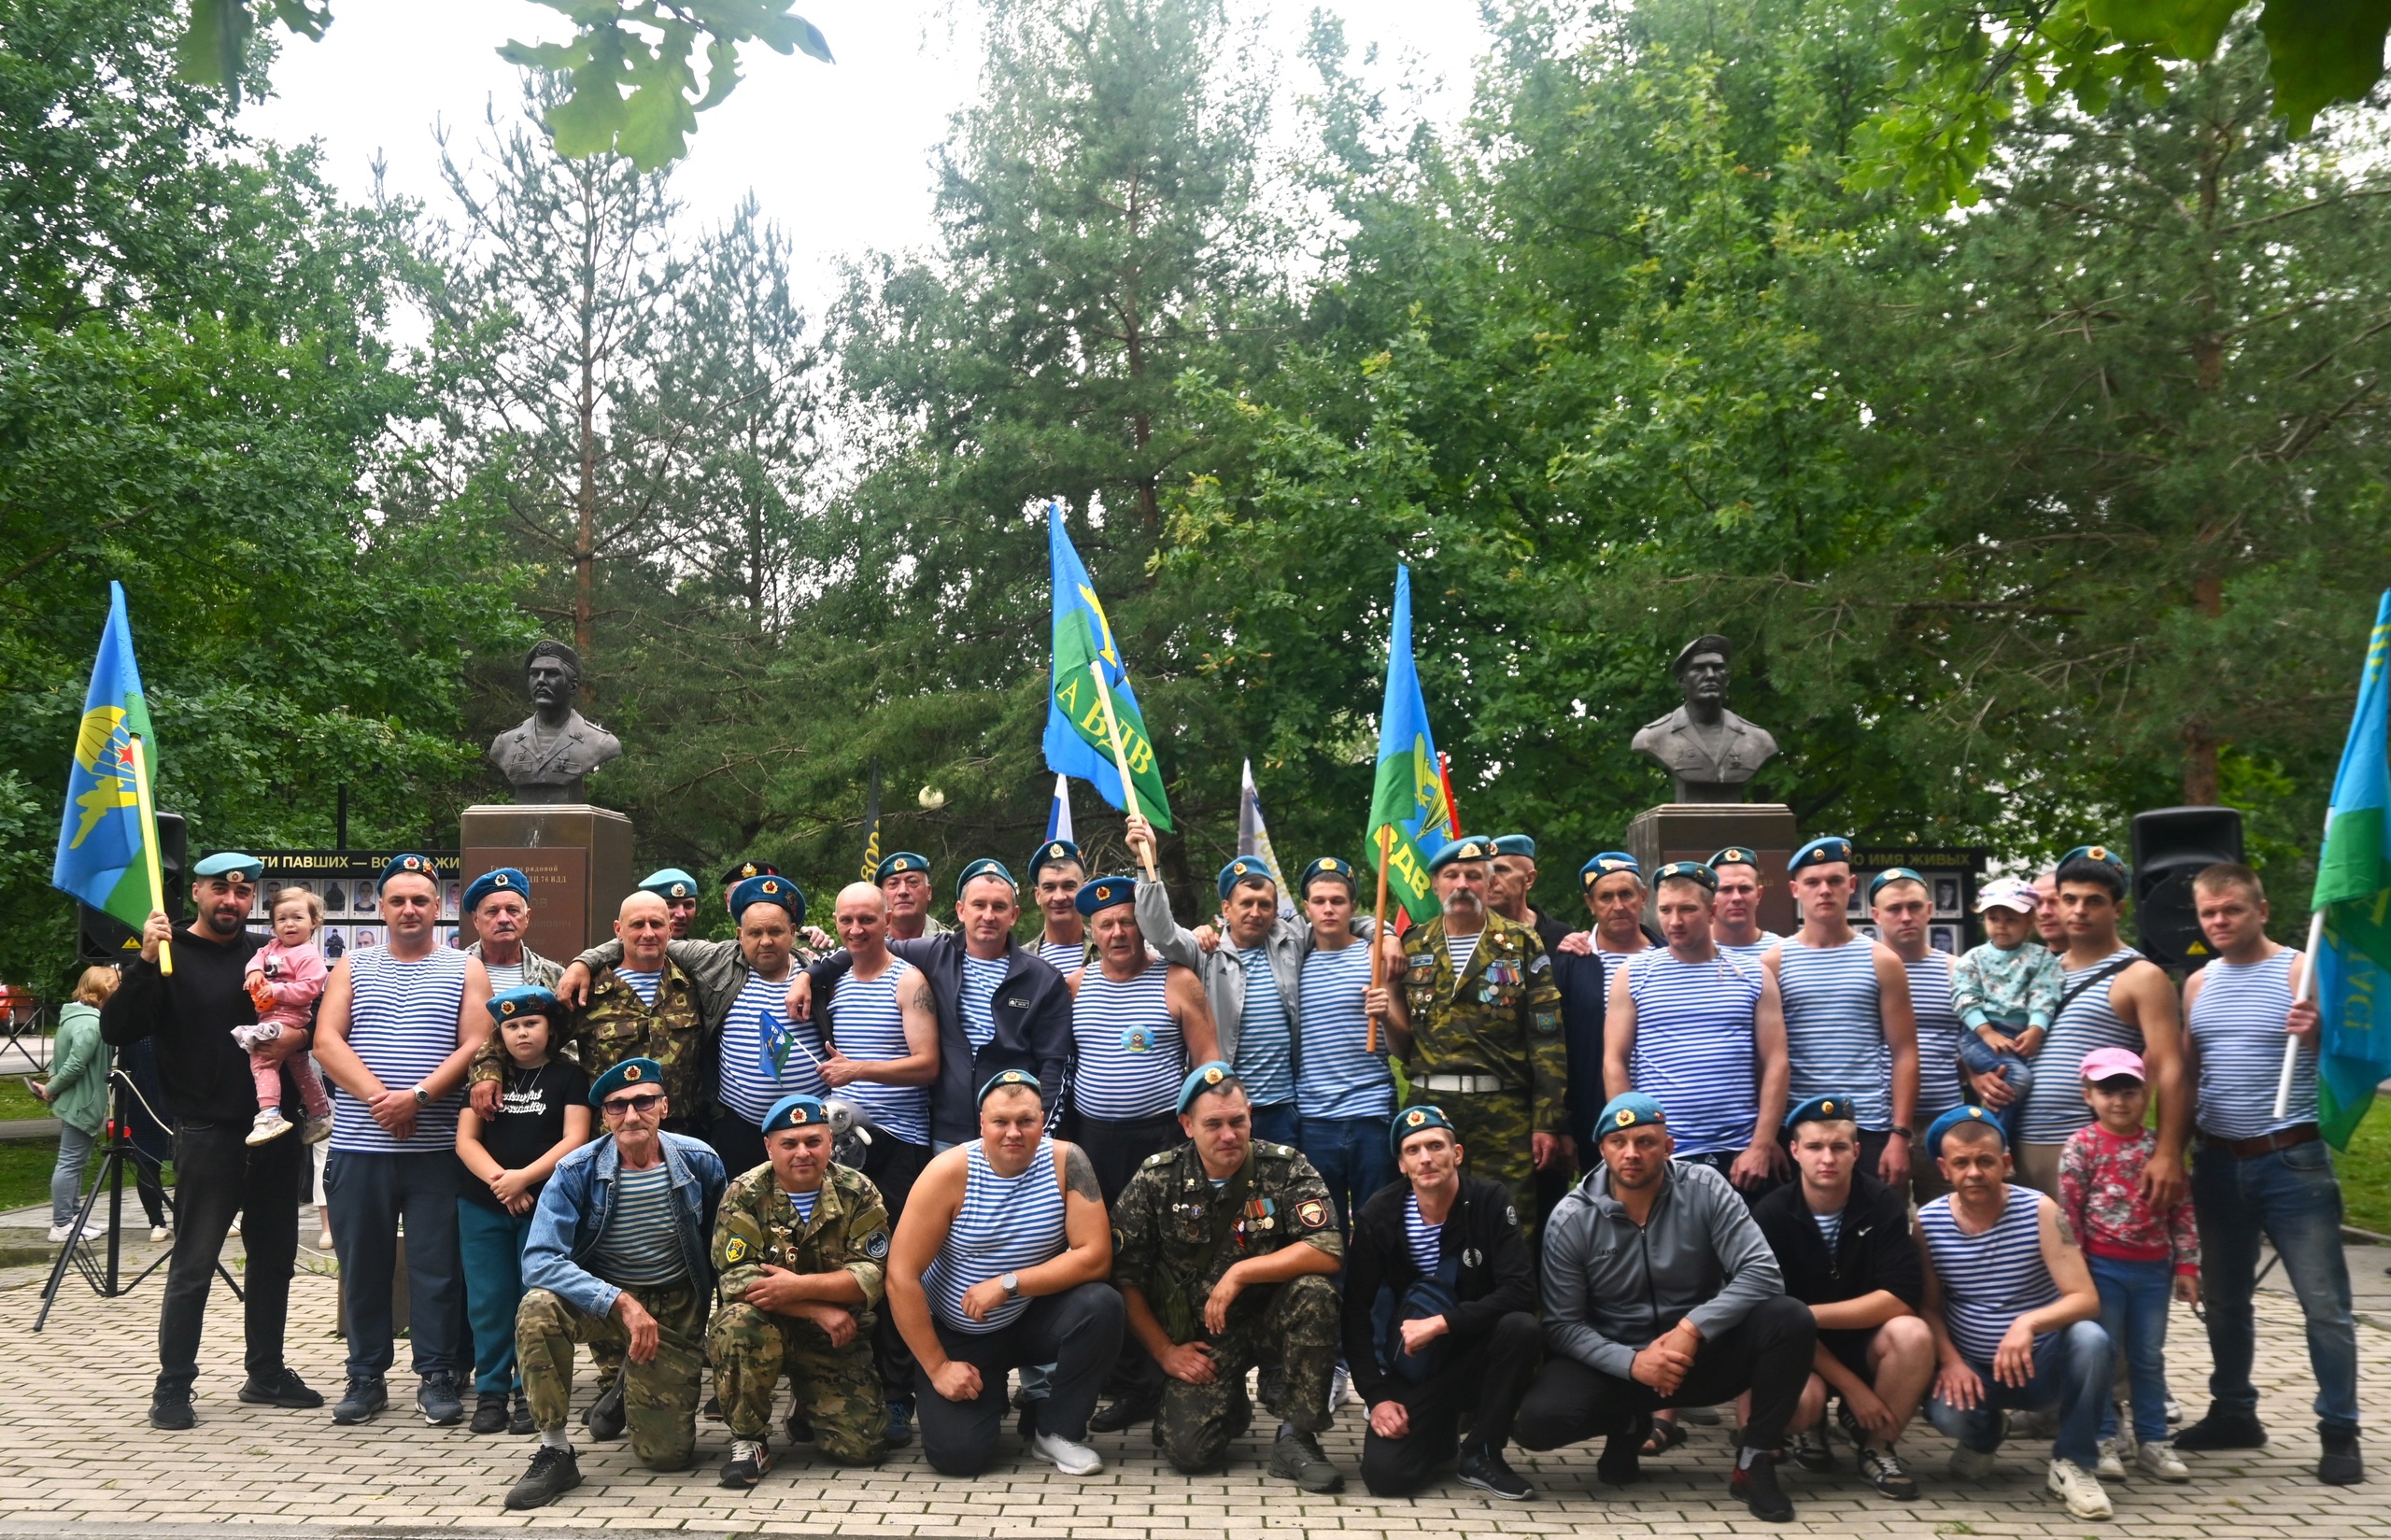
x,y
74,1449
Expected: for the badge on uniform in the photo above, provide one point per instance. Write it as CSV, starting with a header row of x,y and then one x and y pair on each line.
x,y
734,1251
1502,972
1137,1039
875,1245
1473,1257
1312,1213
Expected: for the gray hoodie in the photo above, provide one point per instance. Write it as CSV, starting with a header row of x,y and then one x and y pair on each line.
x,y
1609,1288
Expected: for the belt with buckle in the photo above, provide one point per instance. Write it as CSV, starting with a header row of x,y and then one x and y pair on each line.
x,y
1462,1085
2265,1144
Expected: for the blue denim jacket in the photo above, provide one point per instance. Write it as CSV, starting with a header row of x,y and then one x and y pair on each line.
x,y
573,1212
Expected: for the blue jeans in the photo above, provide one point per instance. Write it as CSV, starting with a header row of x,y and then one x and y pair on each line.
x,y
489,1245
1979,1058
1278,1123
2290,1197
66,1177
2071,1367
2134,1296
1352,1157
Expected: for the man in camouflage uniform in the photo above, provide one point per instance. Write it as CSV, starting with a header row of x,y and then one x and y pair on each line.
x,y
1478,1018
799,1248
1219,1280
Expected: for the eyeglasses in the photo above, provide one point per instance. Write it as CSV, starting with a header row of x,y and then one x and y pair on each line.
x,y
628,1105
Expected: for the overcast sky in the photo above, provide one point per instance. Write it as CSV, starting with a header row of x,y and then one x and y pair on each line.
x,y
837,155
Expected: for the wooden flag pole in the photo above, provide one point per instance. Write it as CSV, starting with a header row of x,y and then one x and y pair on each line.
x,y
2307,991
1121,762
149,846
1377,936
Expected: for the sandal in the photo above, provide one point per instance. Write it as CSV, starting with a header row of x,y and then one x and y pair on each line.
x,y
1664,1436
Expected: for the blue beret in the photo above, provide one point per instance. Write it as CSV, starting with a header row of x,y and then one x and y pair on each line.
x,y
641,1072
409,865
1203,1078
671,883
1006,1080
1824,1109
230,863
796,1112
741,870
503,880
1892,874
2102,854
1821,851
1515,844
1469,847
1735,855
1105,892
1605,864
896,861
1957,1115
523,1000
1416,1119
1245,868
1054,853
1687,871
769,890
1329,866
987,866
1628,1109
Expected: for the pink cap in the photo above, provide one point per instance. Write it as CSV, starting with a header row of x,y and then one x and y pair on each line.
x,y
2105,1062
2009,893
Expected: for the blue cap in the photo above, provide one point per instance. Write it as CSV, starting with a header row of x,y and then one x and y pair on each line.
x,y
1824,1109
230,863
2102,854
796,1112
1822,851
987,866
409,865
1245,868
1515,844
1892,874
1957,1115
1005,1079
1605,863
1469,847
1203,1078
671,883
769,890
1687,871
1738,855
1628,1109
899,861
1105,892
1416,1119
1054,853
641,1072
524,1000
1329,866
502,880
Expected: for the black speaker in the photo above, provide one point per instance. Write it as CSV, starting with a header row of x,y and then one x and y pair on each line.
x,y
2171,847
102,938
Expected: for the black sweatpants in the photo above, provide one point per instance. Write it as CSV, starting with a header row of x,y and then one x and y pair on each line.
x,y
1488,1378
1078,1330
1116,1150
893,1165
1767,1354
218,1173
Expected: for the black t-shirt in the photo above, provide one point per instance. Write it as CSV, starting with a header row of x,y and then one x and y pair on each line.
x,y
530,1119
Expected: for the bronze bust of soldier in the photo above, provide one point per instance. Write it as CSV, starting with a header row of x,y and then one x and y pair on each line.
x,y
546,756
1712,752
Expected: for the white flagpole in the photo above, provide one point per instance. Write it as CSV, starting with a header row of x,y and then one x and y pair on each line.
x,y
2307,991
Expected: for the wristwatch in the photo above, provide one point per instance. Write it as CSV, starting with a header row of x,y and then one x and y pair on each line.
x,y
1011,1284
1904,1133
422,1097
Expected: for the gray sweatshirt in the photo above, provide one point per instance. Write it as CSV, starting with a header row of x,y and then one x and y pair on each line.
x,y
1609,1288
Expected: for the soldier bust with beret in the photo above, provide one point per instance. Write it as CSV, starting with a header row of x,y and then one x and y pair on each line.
x,y
1709,750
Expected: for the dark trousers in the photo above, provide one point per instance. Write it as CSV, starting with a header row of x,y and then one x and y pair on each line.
x,y
1117,1149
150,1181
217,1175
1077,1331
894,1167
739,1142
1486,1379
1279,1123
1767,1354
369,1192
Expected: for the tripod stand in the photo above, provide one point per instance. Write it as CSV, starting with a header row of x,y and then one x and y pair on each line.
x,y
107,1281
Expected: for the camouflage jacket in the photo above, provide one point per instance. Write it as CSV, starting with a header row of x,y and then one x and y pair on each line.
x,y
757,1226
616,1025
1501,1018
1162,1227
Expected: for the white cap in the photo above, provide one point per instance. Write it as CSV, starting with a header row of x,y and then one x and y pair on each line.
x,y
2009,893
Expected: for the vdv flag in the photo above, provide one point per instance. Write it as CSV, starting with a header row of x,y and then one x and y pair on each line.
x,y
2354,892
1410,794
1059,816
1254,838
1076,740
102,839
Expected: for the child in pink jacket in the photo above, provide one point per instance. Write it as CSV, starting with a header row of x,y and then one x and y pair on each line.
x,y
285,980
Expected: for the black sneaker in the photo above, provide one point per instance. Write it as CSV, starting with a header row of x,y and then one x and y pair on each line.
x,y
2223,1429
1810,1450
173,1415
1298,1458
1756,1484
1490,1472
1623,1461
1885,1472
1123,1414
553,1473
438,1398
901,1422
286,1389
801,1428
365,1395
490,1412
520,1423
749,1460
2340,1465
604,1418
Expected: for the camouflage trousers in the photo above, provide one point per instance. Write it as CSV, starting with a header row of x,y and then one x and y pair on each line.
x,y
659,1397
838,1388
1295,1328
1493,1130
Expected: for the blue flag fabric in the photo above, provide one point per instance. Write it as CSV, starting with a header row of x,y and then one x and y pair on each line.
x,y
103,852
2353,892
1409,794
1078,741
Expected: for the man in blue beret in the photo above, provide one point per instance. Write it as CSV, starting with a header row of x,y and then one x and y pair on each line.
x,y
1735,927
1511,883
1344,1090
212,1098
619,1253
679,891
904,877
1659,1290
1055,873
498,906
1902,906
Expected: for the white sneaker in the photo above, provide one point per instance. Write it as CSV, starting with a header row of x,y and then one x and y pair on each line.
x,y
270,1125
160,1233
316,1130
1969,1464
2080,1489
1340,1385
66,1230
234,1228
1069,1458
2113,1452
2160,1460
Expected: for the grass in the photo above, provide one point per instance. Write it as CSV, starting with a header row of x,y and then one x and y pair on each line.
x,y
2365,1169
18,1102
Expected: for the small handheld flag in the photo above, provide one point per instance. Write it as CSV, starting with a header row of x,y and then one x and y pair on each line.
x,y
1058,817
107,839
1254,838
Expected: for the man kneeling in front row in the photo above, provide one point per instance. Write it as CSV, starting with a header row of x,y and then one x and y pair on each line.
x,y
617,1257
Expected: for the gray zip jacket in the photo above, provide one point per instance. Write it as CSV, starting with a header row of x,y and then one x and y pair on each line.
x,y
1223,970
1609,1288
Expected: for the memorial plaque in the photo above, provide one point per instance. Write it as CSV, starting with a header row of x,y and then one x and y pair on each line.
x,y
560,896
578,858
1694,831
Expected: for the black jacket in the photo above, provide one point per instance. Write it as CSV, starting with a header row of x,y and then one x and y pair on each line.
x,y
1497,1274
1584,983
190,1018
1876,1251
1031,1010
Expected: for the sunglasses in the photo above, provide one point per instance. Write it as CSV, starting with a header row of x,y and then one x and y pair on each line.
x,y
628,1105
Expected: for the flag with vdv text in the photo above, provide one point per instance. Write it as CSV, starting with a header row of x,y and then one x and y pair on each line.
x,y
1410,797
2354,889
102,840
1076,743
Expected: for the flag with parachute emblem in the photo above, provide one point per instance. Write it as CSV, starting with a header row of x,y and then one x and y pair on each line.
x,y
1077,740
1410,800
106,845
2353,960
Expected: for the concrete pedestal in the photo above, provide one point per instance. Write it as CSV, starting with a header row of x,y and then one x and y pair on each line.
x,y
577,856
1691,832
